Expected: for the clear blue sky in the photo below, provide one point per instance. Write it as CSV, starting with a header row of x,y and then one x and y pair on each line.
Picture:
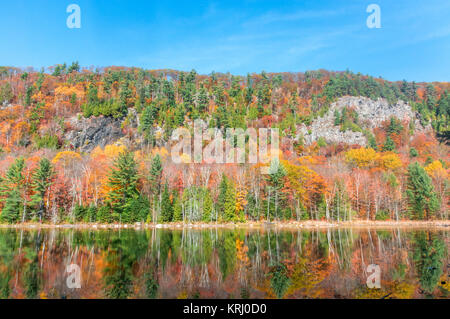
x,y
233,36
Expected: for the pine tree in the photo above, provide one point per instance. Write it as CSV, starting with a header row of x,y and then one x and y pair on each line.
x,y
177,209
223,186
276,199
421,196
12,208
12,191
79,212
203,100
104,214
229,209
148,118
91,214
166,206
389,145
207,206
42,179
155,175
123,180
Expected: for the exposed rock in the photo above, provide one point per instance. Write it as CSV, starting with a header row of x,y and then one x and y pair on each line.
x,y
370,113
5,105
86,134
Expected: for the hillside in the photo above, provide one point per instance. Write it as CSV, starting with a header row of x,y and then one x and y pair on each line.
x,y
94,145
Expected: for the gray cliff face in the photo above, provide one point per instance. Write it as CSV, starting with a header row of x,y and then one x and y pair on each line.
x,y
371,114
92,132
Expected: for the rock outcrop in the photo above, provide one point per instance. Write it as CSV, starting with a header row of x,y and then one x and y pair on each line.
x,y
86,134
371,114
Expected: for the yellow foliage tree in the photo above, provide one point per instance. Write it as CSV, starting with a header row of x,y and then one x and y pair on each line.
x,y
361,157
66,158
436,170
389,160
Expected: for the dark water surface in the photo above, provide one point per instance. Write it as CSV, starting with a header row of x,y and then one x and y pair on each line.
x,y
220,263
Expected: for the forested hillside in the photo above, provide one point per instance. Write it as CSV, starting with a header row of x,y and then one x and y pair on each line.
x,y
92,145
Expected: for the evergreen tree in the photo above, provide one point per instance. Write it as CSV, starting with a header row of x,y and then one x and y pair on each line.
x,y
12,192
207,206
75,66
79,212
155,175
11,210
395,126
202,100
229,209
148,119
413,152
422,199
177,210
428,255
372,142
104,214
276,199
122,181
223,186
389,145
42,179
91,214
166,206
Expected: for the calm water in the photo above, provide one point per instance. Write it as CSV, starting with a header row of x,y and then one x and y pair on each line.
x,y
224,263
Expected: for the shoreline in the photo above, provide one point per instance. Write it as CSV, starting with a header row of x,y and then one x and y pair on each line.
x,y
288,225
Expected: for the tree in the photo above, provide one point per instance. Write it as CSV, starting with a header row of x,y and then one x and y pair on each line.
x,y
279,279
11,210
6,94
428,255
166,206
42,179
122,181
75,66
421,196
413,152
12,191
148,118
202,100
226,203
361,157
276,199
207,206
155,175
389,145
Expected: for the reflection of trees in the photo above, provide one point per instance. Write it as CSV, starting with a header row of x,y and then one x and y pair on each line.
x,y
307,274
429,254
227,253
279,279
8,244
124,250
341,245
32,272
221,263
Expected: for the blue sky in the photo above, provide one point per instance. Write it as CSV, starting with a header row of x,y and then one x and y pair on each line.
x,y
243,36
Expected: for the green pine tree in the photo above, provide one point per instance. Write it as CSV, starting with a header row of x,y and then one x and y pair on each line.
x,y
42,180
177,210
123,180
166,206
207,206
12,192
229,209
422,199
11,210
389,145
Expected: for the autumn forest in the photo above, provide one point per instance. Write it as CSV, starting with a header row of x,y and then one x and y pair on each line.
x,y
92,145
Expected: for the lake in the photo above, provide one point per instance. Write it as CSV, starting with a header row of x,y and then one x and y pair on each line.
x,y
224,263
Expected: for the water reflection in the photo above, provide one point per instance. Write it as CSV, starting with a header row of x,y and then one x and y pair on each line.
x,y
218,263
